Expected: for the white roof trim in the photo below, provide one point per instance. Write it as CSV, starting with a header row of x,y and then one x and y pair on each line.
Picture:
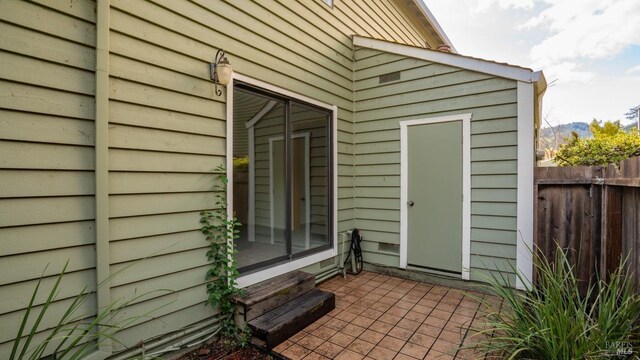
x,y
483,66
436,25
260,114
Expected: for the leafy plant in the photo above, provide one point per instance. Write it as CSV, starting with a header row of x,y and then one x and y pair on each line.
x,y
552,321
220,231
610,145
73,336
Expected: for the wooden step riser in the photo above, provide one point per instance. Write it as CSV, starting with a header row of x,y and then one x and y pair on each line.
x,y
281,297
267,295
273,337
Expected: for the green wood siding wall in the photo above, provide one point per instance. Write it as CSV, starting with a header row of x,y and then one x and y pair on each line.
x,y
46,167
428,90
166,133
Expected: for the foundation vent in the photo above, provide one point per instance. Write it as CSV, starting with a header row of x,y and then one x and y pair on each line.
x,y
393,248
394,76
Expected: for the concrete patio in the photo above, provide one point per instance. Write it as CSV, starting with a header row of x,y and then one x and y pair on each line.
x,y
383,317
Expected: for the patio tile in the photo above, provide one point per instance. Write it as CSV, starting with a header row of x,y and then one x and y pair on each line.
x,y
436,355
445,306
411,298
434,321
372,314
402,356
440,314
342,339
451,336
397,311
383,317
405,305
371,336
381,327
380,306
335,324
400,333
444,346
430,330
390,319
346,315
432,303
315,356
380,353
414,350
388,300
395,294
298,336
347,354
409,324
310,342
296,352
324,332
283,346
361,347
422,309
391,343
416,316
422,340
329,350
353,330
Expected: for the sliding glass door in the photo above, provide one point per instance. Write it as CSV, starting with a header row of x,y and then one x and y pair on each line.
x,y
281,175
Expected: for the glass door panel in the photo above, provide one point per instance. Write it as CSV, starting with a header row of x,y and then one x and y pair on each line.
x,y
259,169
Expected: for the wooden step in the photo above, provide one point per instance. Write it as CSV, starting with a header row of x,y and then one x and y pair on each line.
x,y
268,295
281,323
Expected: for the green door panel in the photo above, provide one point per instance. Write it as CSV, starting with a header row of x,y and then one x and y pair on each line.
x,y
435,190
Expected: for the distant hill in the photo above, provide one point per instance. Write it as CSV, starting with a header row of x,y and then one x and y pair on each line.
x,y
582,128
551,139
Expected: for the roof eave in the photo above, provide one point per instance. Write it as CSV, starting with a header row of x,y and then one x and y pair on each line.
x,y
435,24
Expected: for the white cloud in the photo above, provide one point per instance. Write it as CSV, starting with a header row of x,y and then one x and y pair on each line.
x,y
568,72
504,4
633,69
589,29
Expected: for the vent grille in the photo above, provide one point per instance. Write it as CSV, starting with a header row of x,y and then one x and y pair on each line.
x,y
394,76
394,248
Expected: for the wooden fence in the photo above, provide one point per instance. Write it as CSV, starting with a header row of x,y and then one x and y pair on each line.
x,y
593,213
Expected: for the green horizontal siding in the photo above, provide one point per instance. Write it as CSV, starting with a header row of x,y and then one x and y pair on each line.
x,y
425,90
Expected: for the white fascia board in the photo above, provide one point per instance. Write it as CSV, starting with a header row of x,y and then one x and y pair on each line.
x,y
459,61
436,25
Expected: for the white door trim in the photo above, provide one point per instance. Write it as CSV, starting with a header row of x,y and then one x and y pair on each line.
x,y
307,182
265,274
466,185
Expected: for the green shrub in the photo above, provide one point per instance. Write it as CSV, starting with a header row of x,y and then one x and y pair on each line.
x,y
553,321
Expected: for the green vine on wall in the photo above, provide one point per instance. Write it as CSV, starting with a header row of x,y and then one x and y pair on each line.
x,y
220,231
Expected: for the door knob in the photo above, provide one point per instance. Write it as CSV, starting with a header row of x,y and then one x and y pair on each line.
x,y
410,203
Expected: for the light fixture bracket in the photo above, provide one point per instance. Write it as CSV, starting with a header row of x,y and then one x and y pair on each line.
x,y
220,70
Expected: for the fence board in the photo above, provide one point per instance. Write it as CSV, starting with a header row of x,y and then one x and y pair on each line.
x,y
593,213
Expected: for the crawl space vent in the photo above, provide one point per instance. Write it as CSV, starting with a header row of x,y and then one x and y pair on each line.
x,y
389,77
394,248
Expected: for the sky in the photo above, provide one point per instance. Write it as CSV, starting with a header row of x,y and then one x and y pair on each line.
x,y
589,50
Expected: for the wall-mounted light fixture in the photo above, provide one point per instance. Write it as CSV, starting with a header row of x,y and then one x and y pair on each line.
x,y
220,71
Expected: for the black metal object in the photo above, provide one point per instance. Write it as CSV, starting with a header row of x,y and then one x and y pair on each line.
x,y
356,250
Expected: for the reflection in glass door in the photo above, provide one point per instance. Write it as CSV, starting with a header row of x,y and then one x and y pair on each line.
x,y
281,157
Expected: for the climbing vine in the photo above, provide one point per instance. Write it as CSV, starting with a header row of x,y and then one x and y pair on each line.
x,y
220,231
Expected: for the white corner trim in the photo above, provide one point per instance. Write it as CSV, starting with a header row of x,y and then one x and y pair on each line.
x,y
526,158
463,62
229,159
466,186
